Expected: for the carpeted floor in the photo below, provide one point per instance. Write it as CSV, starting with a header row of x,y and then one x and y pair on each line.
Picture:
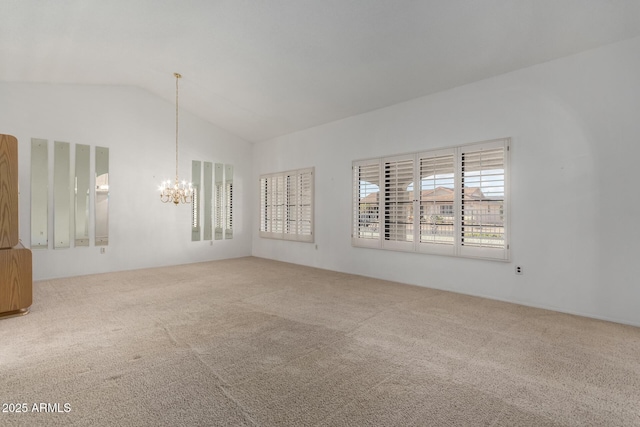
x,y
255,342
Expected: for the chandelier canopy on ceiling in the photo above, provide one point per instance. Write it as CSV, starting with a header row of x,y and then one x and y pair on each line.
x,y
179,192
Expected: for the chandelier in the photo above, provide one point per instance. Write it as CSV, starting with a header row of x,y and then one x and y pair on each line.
x,y
179,192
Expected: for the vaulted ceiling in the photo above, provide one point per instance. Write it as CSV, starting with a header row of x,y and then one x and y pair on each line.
x,y
264,68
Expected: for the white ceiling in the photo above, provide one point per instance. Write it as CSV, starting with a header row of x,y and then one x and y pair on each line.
x,y
264,68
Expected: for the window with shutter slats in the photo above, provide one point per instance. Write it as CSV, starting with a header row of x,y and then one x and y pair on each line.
x,y
305,204
291,195
482,220
277,205
264,205
398,203
218,210
286,201
195,211
366,203
227,215
451,201
228,218
437,199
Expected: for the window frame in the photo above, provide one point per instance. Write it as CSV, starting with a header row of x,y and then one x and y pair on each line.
x,y
360,222
390,206
286,208
434,248
480,250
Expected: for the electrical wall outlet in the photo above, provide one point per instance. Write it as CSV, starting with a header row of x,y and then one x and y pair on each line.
x,y
103,250
519,269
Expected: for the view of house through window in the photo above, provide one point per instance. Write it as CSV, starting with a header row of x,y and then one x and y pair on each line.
x,y
457,207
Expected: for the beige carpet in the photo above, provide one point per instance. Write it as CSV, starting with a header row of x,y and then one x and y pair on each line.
x,y
256,342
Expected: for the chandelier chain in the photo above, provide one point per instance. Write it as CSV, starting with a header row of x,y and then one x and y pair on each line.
x,y
178,76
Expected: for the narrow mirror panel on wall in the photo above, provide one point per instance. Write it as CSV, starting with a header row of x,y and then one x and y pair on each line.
x,y
82,195
196,172
39,193
102,197
228,201
207,187
219,194
61,195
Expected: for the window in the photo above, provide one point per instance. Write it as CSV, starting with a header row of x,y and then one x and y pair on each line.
x,y
436,198
451,201
483,186
228,219
366,202
398,202
195,217
286,205
228,201
446,210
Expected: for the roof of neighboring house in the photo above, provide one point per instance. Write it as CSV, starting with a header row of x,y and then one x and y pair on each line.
x,y
371,198
438,194
445,194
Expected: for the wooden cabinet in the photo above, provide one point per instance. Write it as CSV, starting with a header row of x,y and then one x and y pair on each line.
x,y
8,191
15,280
15,260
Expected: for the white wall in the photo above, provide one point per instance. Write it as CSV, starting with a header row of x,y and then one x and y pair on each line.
x,y
139,129
575,129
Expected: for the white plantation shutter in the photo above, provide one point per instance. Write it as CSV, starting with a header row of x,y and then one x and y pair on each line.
x,y
291,195
218,218
437,213
298,218
228,219
398,203
483,170
305,205
366,204
195,211
451,201
272,208
286,205
277,206
265,205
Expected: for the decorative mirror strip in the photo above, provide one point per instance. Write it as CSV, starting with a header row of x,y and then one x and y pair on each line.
x,y
196,166
39,193
208,192
102,197
82,195
219,180
214,203
61,195
72,195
